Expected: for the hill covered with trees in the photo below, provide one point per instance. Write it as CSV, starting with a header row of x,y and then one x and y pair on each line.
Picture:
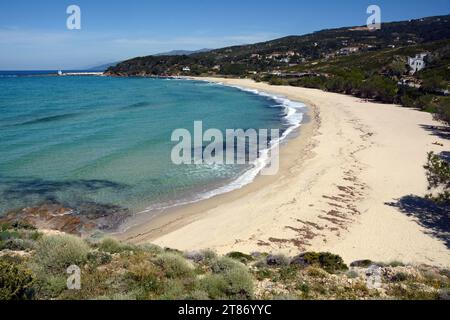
x,y
351,60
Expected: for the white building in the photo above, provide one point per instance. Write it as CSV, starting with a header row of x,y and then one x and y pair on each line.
x,y
187,69
417,63
348,50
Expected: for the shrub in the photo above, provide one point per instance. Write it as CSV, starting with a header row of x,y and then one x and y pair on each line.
x,y
443,110
239,284
197,295
225,264
215,286
151,248
444,294
327,261
304,288
352,274
99,258
209,254
396,264
234,284
173,265
399,277
275,81
173,290
50,286
278,260
406,292
23,225
438,175
113,246
145,276
316,272
16,282
56,253
241,257
200,256
17,245
9,234
361,263
264,273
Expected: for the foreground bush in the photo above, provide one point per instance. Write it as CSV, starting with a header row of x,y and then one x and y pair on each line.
x,y
113,246
327,261
173,265
16,282
115,270
55,254
235,284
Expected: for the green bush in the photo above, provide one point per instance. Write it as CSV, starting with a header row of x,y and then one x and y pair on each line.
x,y
396,264
399,277
9,234
201,256
438,175
241,257
151,249
55,254
16,282
443,110
23,225
225,264
362,263
173,290
277,260
17,245
98,258
113,246
145,277
173,265
325,260
234,284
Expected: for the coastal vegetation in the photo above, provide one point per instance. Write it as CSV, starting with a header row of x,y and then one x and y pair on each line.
x,y
111,270
438,175
353,60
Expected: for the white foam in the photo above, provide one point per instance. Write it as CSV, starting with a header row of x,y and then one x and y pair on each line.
x,y
293,117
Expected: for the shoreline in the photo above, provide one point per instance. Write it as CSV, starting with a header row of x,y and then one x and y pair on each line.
x,y
332,192
295,116
147,227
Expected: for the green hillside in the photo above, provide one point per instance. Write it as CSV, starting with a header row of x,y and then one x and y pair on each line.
x,y
352,60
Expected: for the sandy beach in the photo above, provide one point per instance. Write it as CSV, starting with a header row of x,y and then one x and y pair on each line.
x,y
337,190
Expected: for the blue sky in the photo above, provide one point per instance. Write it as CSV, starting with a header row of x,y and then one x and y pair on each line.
x,y
33,34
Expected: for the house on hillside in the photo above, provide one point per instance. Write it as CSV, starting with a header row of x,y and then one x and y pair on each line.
x,y
347,51
417,63
187,69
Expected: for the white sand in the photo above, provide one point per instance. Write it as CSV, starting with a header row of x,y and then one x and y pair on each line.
x,y
331,191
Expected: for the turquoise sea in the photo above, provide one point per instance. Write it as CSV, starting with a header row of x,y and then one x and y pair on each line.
x,y
75,140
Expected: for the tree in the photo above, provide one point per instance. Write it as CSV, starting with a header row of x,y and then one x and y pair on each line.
x,y
443,110
438,175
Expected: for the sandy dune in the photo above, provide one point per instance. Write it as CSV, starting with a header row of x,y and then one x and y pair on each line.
x,y
333,191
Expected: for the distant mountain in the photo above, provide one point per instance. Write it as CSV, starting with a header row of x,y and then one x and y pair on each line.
x,y
279,54
352,60
182,52
105,67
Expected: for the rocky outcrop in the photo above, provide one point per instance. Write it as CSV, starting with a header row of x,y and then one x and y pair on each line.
x,y
83,220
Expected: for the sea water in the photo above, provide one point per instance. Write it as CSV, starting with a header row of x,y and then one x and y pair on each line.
x,y
75,140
